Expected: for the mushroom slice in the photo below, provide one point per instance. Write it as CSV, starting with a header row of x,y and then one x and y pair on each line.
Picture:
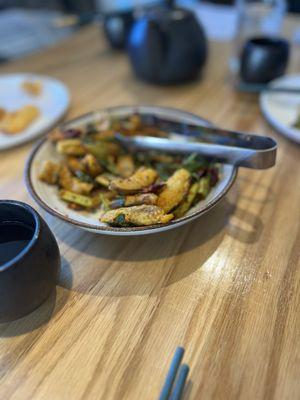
x,y
136,216
176,189
141,179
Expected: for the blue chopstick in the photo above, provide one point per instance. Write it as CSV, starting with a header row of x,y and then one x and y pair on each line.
x,y
180,382
166,390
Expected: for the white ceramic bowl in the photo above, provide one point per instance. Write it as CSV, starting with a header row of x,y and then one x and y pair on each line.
x,y
47,197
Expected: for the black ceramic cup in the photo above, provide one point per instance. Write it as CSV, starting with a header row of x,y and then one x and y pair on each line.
x,y
264,59
29,260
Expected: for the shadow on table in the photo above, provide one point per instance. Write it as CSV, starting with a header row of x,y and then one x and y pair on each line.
x,y
40,317
125,264
245,226
155,246
263,193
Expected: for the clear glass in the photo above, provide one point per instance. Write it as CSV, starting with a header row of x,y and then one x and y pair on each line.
x,y
256,18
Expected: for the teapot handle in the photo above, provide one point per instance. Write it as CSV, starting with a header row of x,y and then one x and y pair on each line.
x,y
161,42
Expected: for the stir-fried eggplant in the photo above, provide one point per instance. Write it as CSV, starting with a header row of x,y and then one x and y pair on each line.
x,y
130,188
72,147
141,179
185,205
134,200
136,215
49,172
125,165
175,191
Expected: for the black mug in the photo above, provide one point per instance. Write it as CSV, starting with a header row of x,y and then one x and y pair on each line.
x,y
29,260
264,59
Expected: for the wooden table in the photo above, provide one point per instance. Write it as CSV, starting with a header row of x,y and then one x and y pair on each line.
x,y
225,287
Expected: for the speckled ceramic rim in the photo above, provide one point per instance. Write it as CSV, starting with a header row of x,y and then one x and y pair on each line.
x,y
110,229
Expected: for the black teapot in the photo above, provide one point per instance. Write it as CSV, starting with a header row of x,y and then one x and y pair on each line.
x,y
167,45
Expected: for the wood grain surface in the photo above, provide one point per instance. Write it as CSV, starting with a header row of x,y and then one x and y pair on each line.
x,y
225,287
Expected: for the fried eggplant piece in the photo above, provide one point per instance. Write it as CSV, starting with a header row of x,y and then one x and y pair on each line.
x,y
138,199
134,123
155,188
65,177
176,189
134,200
74,164
78,199
101,150
104,135
125,165
140,180
91,165
49,172
81,187
187,202
71,147
58,134
69,182
136,215
105,179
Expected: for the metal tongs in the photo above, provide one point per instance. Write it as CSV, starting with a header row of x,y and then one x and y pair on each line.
x,y
225,146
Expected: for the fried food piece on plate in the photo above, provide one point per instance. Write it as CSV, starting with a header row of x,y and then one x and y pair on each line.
x,y
136,215
17,121
81,187
103,149
176,189
134,200
78,199
58,134
105,179
67,181
74,164
125,165
49,172
91,165
33,88
141,179
185,205
71,147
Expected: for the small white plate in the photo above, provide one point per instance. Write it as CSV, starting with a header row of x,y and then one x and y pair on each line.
x,y
282,109
47,196
53,102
